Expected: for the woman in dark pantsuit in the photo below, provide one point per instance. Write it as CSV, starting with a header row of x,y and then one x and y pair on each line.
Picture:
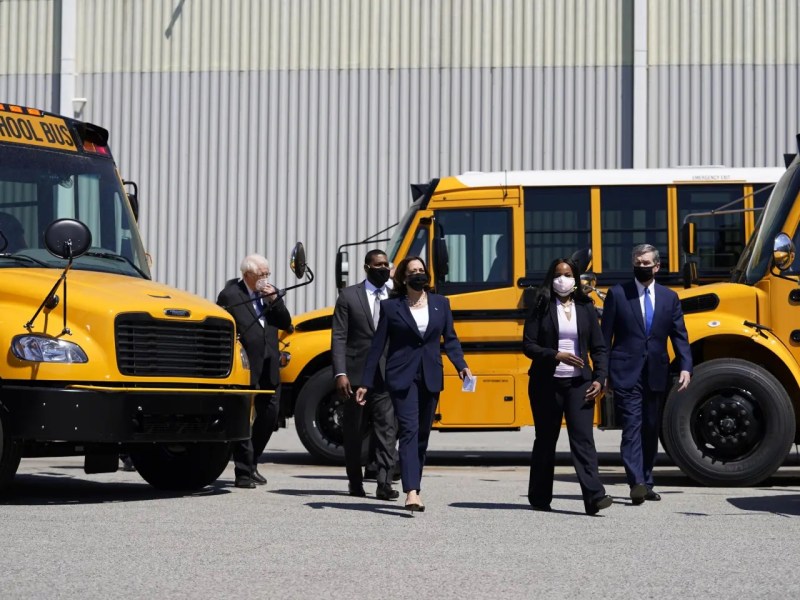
x,y
560,334
413,322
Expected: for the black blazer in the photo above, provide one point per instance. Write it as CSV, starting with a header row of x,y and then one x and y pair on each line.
x,y
540,342
260,343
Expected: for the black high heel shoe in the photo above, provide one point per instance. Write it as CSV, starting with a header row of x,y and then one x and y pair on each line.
x,y
415,507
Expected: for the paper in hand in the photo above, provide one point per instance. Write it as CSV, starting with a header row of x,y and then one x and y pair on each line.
x,y
469,384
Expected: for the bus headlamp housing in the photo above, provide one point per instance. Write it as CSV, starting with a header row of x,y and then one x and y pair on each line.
x,y
41,348
243,356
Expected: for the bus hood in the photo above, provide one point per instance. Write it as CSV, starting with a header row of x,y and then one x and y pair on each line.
x,y
93,297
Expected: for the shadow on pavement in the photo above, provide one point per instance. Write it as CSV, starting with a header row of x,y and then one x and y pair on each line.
x,y
285,492
383,509
788,505
56,489
510,506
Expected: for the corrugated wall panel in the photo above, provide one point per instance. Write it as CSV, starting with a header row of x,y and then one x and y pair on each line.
x,y
209,35
26,53
252,124
312,119
723,82
230,163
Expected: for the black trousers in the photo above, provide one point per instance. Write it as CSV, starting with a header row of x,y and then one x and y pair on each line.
x,y
244,455
551,401
380,412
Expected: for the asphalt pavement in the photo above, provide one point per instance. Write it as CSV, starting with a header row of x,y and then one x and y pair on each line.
x,y
71,535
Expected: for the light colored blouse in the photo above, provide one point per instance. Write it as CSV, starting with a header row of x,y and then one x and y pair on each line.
x,y
422,318
567,339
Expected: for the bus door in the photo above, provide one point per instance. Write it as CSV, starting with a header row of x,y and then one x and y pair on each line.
x,y
473,265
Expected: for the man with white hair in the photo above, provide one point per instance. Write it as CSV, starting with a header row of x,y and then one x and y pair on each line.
x,y
259,312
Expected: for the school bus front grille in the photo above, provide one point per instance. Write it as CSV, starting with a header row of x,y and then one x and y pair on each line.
x,y
166,348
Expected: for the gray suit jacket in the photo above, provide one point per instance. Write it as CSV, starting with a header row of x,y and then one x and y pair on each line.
x,y
351,333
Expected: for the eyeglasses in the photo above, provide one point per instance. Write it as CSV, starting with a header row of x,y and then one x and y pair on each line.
x,y
261,275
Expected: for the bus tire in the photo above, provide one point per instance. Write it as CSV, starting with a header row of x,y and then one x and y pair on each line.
x,y
182,467
318,419
10,454
733,426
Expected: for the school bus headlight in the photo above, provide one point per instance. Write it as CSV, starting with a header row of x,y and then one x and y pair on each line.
x,y
40,348
245,360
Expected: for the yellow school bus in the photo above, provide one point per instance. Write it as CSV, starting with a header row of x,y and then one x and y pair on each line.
x,y
489,237
98,359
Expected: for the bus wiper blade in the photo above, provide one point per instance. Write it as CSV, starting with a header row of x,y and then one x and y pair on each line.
x,y
23,258
118,258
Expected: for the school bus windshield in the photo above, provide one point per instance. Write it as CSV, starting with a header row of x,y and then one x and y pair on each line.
x,y
400,231
40,186
754,261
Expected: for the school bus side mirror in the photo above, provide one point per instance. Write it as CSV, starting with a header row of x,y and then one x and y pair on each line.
x,y
783,251
689,237
297,263
67,238
582,258
342,269
441,258
133,198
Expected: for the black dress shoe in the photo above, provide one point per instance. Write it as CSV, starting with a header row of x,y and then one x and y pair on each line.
x,y
356,490
244,482
541,507
385,492
599,504
638,493
652,496
258,478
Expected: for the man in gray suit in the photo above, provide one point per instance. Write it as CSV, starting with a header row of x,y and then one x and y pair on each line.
x,y
355,317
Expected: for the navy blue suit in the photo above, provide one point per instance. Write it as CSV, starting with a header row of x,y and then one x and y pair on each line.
x,y
638,369
413,375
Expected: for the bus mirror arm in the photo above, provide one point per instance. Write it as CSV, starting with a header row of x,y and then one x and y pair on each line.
x,y
67,239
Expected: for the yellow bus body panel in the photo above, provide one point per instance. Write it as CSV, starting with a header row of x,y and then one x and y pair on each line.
x,y
93,301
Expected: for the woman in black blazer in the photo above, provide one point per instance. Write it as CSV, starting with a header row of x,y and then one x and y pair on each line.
x,y
560,335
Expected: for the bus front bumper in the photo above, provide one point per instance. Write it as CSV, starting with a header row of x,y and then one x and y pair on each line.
x,y
123,415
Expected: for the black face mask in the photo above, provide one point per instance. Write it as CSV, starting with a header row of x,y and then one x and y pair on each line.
x,y
643,274
417,281
377,276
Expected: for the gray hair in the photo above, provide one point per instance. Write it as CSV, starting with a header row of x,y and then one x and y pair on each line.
x,y
644,249
253,264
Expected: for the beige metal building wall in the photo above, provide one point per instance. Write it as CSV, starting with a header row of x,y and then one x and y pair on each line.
x,y
26,52
252,124
724,81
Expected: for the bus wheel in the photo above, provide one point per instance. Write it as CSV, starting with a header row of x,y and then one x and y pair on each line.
x,y
181,466
733,425
10,453
318,419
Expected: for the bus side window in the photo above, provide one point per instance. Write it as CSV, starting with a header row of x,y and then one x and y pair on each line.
x,y
632,215
557,223
720,239
478,247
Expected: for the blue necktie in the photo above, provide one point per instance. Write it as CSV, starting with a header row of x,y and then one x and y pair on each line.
x,y
648,311
258,306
